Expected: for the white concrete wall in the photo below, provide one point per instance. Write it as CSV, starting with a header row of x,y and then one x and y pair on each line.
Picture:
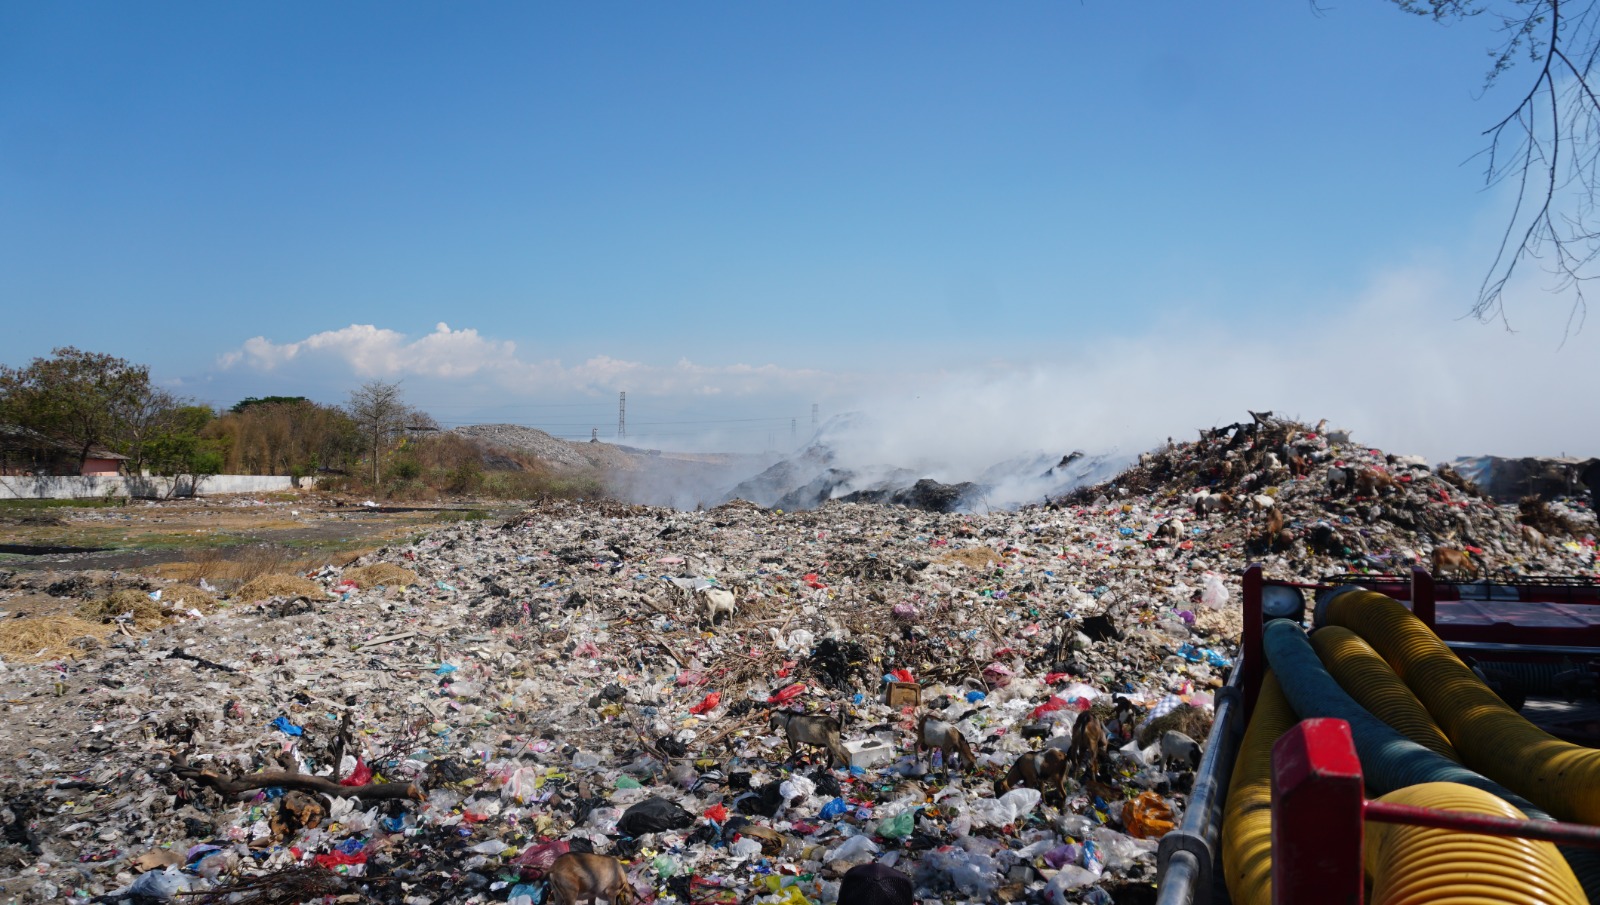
x,y
78,488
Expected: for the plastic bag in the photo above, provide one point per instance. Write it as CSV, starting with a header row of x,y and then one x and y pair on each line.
x,y
1148,817
1213,593
1004,810
521,784
1068,878
797,787
899,826
534,862
856,848
787,694
707,703
654,815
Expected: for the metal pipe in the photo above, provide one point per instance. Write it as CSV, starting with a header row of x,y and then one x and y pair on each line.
x,y
1178,886
1194,843
1499,647
1484,824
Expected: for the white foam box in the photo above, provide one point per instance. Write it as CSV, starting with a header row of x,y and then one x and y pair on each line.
x,y
869,752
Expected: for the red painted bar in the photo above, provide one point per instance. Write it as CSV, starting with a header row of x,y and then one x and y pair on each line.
x,y
1251,652
1422,596
1484,824
1317,803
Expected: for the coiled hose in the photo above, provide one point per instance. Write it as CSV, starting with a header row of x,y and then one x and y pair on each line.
x,y
1367,677
1247,819
1416,865
1389,760
1561,777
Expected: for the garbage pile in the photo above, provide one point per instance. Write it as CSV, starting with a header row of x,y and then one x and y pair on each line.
x,y
725,706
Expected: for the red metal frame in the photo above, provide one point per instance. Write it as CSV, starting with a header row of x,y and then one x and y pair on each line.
x,y
1424,593
1319,808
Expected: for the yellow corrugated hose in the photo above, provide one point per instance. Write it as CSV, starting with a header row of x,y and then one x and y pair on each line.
x,y
1247,820
1413,865
1490,737
1368,679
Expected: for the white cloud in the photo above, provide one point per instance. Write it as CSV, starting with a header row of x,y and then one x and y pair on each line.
x,y
1396,364
369,351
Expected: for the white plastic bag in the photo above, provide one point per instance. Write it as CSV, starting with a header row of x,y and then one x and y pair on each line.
x,y
1214,594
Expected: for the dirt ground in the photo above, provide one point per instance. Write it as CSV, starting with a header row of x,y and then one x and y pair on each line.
x,y
214,537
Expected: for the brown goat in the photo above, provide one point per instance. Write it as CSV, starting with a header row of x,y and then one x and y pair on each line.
x,y
1088,746
1447,559
579,877
1043,770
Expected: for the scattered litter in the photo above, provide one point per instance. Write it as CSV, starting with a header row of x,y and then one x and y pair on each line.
x,y
461,716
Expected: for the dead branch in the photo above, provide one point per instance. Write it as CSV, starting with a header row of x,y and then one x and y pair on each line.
x,y
381,791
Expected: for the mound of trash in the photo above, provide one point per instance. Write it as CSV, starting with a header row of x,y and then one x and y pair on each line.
x,y
736,705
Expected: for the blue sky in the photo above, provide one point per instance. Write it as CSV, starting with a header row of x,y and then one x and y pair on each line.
x,y
734,210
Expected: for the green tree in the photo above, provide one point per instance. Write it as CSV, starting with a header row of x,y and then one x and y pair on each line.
x,y
249,401
85,399
181,450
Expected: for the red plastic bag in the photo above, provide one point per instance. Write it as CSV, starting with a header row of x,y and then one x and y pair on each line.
x,y
787,694
902,675
997,675
716,814
1054,677
535,862
811,580
340,859
360,776
1051,706
709,702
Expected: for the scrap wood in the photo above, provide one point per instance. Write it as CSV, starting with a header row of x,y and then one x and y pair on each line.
x,y
378,791
376,642
670,652
745,723
181,654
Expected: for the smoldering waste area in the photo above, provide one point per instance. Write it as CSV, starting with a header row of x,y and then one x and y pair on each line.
x,y
437,722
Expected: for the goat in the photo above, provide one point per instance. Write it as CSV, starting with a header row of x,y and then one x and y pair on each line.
x,y
936,733
806,729
718,602
1452,560
1088,745
1043,770
1177,746
578,877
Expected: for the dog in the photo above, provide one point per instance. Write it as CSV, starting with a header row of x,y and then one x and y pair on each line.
x,y
1044,770
936,733
807,729
580,877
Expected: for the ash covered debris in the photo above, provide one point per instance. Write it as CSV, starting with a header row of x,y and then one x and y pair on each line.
x,y
839,465
556,684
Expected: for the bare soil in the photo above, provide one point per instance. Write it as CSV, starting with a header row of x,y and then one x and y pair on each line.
x,y
179,538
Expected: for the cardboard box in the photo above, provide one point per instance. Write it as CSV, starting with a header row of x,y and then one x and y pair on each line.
x,y
900,695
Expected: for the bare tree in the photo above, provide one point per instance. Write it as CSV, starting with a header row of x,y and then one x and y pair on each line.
x,y
1548,145
379,411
